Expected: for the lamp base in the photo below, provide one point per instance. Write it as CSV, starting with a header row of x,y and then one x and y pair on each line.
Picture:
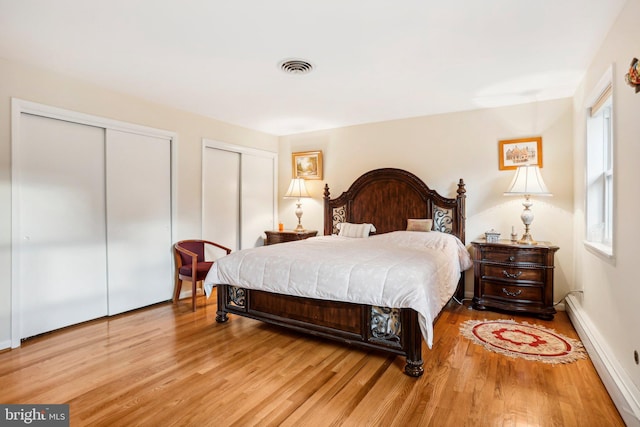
x,y
299,228
526,239
527,219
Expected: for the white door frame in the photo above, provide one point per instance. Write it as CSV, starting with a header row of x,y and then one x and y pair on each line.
x,y
20,106
210,143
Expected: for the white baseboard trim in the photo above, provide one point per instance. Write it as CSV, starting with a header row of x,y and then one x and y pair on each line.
x,y
5,344
623,392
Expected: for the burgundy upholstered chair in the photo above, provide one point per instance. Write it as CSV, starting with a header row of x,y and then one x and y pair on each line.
x,y
189,256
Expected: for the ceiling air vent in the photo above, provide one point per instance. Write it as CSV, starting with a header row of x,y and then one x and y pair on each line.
x,y
295,66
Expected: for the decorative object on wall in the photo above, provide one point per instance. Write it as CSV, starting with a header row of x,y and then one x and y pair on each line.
x,y
531,342
520,152
297,190
527,181
307,164
633,76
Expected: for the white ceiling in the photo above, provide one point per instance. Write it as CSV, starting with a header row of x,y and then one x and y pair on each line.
x,y
374,60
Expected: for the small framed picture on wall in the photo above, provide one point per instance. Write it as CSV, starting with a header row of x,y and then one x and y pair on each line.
x,y
307,164
520,152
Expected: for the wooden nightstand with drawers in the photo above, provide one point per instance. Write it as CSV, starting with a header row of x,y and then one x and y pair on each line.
x,y
275,236
514,277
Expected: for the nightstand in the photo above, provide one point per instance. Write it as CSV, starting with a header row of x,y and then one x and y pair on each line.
x,y
514,277
274,237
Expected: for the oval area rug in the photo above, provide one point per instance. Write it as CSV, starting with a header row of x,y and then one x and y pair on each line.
x,y
531,342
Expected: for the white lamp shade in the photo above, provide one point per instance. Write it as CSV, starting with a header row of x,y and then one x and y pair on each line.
x,y
527,180
297,189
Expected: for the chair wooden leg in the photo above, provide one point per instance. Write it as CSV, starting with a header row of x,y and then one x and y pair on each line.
x,y
194,285
176,291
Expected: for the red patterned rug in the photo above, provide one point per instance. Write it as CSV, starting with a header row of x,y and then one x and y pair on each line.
x,y
531,342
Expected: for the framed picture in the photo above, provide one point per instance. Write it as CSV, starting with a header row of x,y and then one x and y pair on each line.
x,y
307,164
520,152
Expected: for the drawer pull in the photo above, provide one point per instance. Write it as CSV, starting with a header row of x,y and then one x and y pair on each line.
x,y
512,258
511,275
512,294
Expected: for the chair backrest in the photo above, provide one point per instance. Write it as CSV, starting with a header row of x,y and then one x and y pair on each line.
x,y
196,246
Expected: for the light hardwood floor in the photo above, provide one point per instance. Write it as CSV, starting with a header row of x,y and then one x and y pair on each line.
x,y
165,366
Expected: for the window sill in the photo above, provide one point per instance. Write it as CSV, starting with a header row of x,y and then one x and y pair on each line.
x,y
601,250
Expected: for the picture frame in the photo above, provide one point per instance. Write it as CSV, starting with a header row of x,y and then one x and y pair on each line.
x,y
307,164
520,152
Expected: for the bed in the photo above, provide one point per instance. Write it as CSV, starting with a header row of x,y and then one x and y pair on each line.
x,y
386,198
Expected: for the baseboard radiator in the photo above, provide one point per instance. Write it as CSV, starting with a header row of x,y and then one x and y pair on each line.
x,y
623,392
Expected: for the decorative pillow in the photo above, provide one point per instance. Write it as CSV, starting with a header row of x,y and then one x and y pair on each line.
x,y
419,224
355,230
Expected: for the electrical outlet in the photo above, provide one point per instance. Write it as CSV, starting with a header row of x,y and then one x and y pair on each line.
x,y
635,357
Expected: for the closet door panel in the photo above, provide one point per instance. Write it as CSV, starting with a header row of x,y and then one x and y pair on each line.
x,y
257,201
61,233
221,195
138,220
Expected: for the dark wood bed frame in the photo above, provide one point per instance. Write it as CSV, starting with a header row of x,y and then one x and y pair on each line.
x,y
386,198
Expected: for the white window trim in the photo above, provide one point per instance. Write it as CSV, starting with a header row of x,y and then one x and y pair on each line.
x,y
600,249
605,251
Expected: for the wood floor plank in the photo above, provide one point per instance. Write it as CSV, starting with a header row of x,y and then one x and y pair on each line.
x,y
166,365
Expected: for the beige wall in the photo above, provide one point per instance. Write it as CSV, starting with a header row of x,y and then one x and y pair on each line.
x,y
444,148
611,289
32,84
438,149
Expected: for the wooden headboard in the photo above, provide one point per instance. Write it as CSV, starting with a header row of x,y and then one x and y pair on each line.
x,y
387,197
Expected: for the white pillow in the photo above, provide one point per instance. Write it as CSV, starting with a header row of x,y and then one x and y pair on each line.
x,y
355,230
419,224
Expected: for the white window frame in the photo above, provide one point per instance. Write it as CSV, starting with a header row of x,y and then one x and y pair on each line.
x,y
599,169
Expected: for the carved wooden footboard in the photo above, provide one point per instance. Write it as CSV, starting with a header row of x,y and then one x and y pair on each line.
x,y
390,330
385,198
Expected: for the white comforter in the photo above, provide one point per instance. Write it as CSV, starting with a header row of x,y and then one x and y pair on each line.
x,y
401,269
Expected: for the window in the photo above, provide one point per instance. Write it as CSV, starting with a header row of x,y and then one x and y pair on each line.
x,y
600,170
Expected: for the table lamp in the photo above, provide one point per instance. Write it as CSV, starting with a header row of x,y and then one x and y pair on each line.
x,y
297,190
527,181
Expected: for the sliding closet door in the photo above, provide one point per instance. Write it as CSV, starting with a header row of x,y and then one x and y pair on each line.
x,y
221,197
138,220
257,201
60,244
238,194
